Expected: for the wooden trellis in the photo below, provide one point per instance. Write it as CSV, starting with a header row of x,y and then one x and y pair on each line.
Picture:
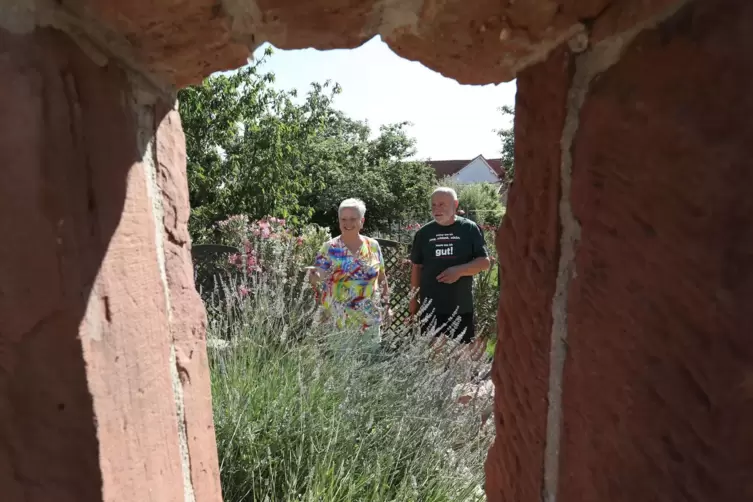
x,y
210,264
397,267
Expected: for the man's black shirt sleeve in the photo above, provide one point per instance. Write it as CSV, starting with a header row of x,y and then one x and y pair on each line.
x,y
478,243
417,253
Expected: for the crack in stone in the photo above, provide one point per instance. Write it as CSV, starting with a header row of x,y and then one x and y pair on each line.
x,y
175,370
144,107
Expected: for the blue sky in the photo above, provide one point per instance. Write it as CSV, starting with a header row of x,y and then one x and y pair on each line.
x,y
450,121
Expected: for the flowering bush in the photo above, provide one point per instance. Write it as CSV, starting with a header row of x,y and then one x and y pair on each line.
x,y
269,246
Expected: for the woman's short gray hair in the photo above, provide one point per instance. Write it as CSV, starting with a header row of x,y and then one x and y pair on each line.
x,y
356,204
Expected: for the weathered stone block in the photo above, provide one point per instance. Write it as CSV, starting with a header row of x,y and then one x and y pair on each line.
x,y
104,389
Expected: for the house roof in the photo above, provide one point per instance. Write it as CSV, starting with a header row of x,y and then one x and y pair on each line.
x,y
496,165
445,168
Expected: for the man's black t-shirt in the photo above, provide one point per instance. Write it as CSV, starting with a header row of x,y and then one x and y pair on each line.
x,y
437,248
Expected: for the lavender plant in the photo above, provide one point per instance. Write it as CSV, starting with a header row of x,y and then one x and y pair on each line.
x,y
299,419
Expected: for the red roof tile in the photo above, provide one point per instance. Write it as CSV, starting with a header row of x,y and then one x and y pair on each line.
x,y
447,167
497,167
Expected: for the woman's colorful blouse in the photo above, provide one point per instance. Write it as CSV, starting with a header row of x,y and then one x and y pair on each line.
x,y
352,281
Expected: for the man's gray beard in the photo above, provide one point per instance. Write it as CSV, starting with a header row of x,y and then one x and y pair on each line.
x,y
449,220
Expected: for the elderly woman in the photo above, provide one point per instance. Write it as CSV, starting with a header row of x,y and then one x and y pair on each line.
x,y
348,272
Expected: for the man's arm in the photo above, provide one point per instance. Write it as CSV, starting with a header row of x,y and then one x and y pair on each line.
x,y
478,265
469,269
417,260
415,283
415,276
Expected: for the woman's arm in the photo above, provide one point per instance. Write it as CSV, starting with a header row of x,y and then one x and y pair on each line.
x,y
382,277
415,284
321,270
384,287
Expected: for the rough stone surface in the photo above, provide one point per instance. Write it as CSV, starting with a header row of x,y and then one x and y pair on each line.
x,y
87,407
528,249
623,15
56,232
658,399
188,320
179,41
480,42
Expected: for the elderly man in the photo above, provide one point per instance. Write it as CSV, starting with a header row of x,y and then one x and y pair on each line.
x,y
446,254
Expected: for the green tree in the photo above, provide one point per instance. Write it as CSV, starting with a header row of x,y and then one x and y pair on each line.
x,y
507,147
258,151
479,201
377,171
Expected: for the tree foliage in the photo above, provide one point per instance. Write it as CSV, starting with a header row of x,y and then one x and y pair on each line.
x,y
507,143
257,151
479,202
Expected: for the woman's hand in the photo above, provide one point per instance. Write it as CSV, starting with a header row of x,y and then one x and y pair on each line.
x,y
316,275
387,318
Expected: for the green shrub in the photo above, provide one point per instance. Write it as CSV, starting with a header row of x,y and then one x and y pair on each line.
x,y
486,289
480,202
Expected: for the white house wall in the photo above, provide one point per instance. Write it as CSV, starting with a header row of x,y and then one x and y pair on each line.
x,y
477,171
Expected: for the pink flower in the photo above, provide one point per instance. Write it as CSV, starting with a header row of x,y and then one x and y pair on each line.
x,y
251,260
252,264
243,291
299,241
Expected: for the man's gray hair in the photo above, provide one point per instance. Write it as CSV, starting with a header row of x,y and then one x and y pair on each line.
x,y
356,204
446,190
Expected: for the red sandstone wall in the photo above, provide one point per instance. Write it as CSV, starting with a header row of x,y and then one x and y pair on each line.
x,y
187,320
95,289
657,401
528,248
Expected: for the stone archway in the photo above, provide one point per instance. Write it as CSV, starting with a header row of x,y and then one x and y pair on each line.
x,y
623,367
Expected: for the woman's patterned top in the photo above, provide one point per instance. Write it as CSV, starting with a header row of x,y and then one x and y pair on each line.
x,y
349,289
